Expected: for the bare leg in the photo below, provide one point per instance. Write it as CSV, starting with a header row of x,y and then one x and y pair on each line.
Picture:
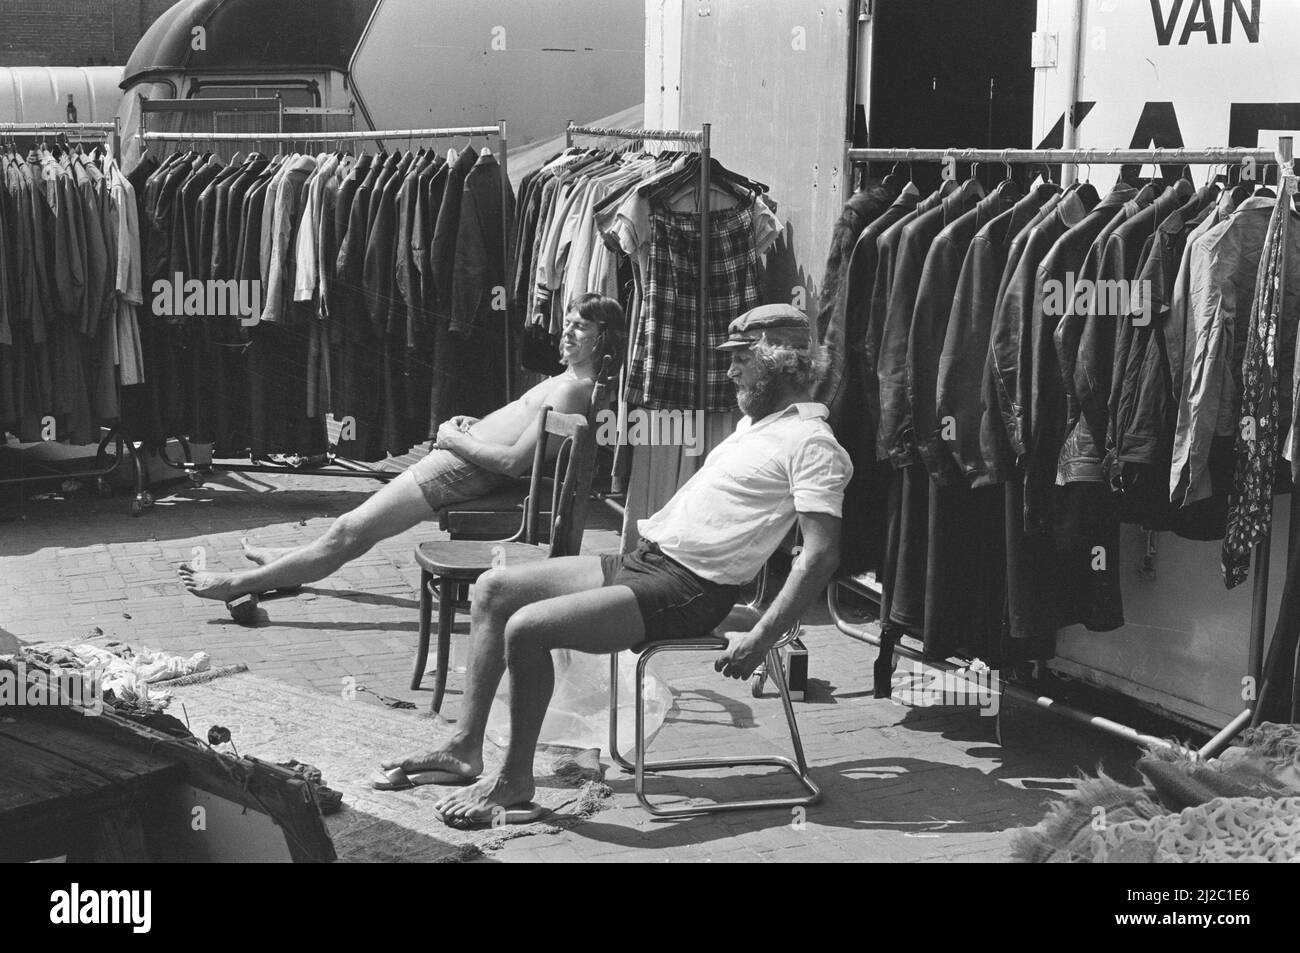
x,y
600,621
498,595
392,510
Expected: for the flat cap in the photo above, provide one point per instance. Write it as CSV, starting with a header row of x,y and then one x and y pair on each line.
x,y
777,323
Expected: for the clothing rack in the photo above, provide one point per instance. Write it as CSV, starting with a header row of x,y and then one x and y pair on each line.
x,y
45,128
124,448
701,140
1282,157
353,469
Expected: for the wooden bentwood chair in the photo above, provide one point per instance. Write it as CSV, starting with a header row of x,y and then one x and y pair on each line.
x,y
447,564
497,514
741,619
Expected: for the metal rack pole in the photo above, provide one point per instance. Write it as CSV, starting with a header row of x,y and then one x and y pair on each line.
x,y
357,136
507,252
1009,691
1068,156
58,126
702,300
611,132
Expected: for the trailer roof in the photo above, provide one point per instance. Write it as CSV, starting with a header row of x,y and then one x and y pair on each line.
x,y
250,34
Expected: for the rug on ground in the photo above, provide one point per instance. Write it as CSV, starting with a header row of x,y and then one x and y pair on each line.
x,y
347,738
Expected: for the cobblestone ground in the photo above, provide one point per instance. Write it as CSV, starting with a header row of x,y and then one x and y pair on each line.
x,y
901,783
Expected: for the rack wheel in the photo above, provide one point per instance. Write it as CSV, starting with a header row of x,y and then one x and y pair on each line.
x,y
757,682
143,500
103,488
196,478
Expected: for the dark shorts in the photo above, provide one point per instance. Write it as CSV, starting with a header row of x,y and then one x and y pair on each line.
x,y
675,603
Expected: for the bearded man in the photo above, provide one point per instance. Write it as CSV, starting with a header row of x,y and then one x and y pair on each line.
x,y
695,555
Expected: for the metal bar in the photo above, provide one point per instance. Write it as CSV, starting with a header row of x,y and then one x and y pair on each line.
x,y
661,135
1010,692
1070,132
1220,741
1259,600
1073,156
358,136
1081,717
616,506
507,253
702,319
209,468
317,111
57,126
125,449
251,104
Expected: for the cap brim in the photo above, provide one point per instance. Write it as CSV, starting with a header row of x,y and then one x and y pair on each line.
x,y
733,345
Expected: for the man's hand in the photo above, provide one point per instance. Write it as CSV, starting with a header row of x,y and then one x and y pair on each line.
x,y
448,434
745,652
463,423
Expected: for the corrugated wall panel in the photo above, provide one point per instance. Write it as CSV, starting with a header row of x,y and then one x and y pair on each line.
x,y
771,76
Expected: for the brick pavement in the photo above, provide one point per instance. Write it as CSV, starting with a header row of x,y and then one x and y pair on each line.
x,y
901,784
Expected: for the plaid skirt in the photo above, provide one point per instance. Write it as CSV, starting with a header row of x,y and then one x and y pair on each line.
x,y
665,355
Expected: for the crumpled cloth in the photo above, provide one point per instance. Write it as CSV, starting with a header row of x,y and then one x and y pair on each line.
x,y
1224,830
122,670
1104,821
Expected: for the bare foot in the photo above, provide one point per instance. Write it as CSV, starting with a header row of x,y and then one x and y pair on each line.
x,y
207,585
484,799
460,758
261,554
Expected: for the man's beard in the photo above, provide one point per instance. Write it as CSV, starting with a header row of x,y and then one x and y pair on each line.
x,y
761,398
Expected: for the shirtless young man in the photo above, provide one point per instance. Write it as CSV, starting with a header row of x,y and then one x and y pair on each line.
x,y
471,458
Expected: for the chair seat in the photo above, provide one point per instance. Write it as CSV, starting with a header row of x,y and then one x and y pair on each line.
x,y
466,560
508,498
741,618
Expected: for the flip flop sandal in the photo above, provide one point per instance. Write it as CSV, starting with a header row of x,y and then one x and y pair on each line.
x,y
524,813
244,609
395,779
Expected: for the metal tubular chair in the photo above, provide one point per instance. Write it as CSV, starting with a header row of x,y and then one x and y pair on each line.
x,y
742,618
446,564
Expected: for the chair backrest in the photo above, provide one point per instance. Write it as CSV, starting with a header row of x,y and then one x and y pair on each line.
x,y
600,393
574,466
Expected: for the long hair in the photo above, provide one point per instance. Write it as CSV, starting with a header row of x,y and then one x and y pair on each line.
x,y
611,340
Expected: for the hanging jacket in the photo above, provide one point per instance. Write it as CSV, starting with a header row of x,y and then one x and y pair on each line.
x,y
930,321
896,440
959,389
1043,389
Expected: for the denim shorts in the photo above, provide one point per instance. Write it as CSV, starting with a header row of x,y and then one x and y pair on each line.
x,y
444,478
674,602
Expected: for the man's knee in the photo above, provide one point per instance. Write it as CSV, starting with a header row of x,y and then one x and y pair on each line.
x,y
492,591
527,629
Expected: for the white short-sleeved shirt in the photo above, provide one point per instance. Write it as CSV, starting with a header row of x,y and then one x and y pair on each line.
x,y
733,513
